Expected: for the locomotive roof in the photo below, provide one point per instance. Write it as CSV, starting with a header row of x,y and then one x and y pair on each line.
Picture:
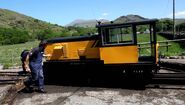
x,y
73,38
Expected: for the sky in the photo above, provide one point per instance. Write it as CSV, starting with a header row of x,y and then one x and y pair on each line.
x,y
62,12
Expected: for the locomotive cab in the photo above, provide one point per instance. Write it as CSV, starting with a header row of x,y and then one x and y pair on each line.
x,y
123,44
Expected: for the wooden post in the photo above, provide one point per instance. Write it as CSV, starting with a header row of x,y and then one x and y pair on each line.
x,y
174,19
167,46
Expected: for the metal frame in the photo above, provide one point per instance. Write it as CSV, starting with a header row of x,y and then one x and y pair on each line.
x,y
133,25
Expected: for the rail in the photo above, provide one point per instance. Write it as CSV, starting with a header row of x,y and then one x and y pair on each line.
x,y
16,82
169,78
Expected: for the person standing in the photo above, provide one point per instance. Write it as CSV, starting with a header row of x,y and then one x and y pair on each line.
x,y
35,64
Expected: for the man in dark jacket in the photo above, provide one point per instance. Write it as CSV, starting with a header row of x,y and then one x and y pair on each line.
x,y
35,64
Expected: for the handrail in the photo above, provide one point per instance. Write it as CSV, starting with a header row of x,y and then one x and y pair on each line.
x,y
165,41
176,40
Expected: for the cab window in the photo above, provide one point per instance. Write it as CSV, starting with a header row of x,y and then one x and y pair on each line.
x,y
117,35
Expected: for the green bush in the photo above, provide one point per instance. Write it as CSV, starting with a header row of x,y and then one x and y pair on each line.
x,y
12,36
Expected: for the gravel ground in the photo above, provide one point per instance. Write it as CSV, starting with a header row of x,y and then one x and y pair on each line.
x,y
64,95
3,91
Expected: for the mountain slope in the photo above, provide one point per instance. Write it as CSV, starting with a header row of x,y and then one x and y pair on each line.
x,y
179,21
93,22
129,18
11,19
85,23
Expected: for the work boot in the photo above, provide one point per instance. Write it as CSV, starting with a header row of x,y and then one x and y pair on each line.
x,y
27,90
41,91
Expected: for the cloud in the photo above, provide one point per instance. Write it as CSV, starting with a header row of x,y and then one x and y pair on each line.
x,y
103,15
180,14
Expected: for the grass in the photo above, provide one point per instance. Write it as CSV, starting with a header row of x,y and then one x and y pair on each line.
x,y
173,50
10,54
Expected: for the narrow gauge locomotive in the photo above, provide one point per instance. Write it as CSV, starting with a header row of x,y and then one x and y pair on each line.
x,y
112,53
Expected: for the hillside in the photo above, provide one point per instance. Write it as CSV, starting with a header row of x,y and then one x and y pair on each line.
x,y
179,21
93,22
85,23
11,19
129,18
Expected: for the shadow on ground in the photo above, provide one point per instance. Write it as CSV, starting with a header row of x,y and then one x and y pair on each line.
x,y
98,81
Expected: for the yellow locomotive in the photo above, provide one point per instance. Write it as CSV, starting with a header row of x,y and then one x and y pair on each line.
x,y
114,50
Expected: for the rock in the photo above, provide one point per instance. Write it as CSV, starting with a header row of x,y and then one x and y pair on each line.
x,y
182,57
174,57
167,57
1,67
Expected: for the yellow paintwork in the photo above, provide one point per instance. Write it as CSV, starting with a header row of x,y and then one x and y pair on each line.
x,y
157,55
72,50
58,47
110,55
119,54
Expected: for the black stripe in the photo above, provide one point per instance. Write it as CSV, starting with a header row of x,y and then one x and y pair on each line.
x,y
72,38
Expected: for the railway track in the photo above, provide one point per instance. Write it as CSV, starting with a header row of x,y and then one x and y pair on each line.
x,y
173,64
16,82
175,73
12,78
169,78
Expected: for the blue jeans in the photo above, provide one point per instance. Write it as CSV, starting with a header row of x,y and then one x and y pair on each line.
x,y
37,75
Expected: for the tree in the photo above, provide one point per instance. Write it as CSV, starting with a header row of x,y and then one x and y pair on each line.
x,y
167,25
180,27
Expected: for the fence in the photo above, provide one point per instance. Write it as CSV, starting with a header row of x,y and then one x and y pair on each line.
x,y
164,46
